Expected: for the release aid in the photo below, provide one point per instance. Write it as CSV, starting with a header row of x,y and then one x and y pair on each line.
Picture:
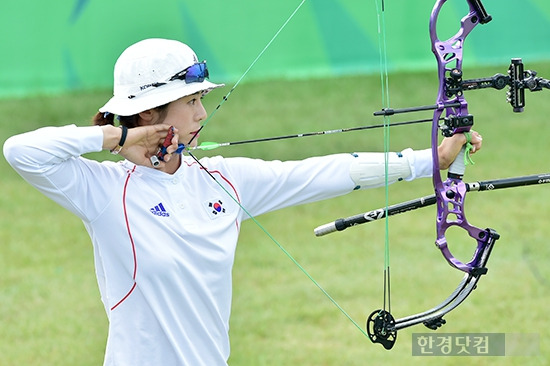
x,y
159,156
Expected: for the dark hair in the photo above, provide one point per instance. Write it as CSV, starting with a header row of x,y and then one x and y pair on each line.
x,y
102,119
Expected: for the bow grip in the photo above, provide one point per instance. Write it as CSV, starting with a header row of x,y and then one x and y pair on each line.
x,y
452,126
458,167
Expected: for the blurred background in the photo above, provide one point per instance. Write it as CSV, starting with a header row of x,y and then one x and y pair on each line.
x,y
72,45
320,73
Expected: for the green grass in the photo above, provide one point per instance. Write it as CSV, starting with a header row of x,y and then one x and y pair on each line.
x,y
51,313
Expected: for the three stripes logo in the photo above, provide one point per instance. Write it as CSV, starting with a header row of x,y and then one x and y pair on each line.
x,y
159,210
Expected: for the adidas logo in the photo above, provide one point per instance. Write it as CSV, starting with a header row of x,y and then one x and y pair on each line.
x,y
159,210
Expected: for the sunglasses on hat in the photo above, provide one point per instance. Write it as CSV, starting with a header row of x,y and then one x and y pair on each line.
x,y
195,73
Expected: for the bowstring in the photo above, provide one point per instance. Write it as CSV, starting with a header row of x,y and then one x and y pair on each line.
x,y
252,217
245,73
384,81
282,248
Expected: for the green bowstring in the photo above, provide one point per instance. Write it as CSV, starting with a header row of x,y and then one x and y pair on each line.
x,y
289,256
224,99
384,80
258,224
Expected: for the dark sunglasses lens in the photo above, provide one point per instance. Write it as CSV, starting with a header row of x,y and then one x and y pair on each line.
x,y
196,73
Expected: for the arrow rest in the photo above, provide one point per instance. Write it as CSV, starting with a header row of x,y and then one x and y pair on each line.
x,y
381,328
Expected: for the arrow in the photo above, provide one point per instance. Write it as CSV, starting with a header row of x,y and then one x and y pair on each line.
x,y
205,146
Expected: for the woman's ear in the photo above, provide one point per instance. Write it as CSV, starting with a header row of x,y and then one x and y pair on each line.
x,y
148,117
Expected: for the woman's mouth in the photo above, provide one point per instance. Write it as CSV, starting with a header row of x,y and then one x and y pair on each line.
x,y
194,136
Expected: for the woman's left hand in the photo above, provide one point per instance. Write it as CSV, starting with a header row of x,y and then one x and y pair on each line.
x,y
451,146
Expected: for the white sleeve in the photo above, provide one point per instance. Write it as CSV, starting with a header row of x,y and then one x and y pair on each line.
x,y
50,160
48,146
421,163
271,185
266,186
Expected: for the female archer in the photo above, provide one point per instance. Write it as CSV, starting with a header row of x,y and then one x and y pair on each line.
x,y
164,233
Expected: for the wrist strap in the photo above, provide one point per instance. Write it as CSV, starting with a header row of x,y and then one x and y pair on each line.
x,y
117,149
469,147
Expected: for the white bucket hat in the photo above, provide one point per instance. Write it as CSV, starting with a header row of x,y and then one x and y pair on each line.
x,y
154,72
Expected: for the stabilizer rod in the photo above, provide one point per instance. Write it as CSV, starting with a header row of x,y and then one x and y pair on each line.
x,y
489,185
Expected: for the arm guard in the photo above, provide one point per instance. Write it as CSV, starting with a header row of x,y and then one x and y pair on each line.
x,y
368,170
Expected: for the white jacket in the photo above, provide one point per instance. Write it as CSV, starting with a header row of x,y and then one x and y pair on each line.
x,y
164,244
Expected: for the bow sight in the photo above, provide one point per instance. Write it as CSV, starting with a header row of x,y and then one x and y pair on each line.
x,y
517,80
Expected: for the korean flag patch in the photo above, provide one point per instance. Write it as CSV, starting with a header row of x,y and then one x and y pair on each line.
x,y
215,208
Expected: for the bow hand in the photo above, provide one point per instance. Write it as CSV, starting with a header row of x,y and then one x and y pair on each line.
x,y
451,147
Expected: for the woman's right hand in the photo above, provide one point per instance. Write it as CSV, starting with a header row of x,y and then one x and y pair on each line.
x,y
141,142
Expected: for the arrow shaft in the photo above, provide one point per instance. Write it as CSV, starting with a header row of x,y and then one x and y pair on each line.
x,y
213,145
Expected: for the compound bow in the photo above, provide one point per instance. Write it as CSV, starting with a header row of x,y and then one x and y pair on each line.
x,y
450,194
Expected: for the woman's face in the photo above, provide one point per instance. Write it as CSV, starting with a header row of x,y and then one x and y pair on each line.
x,y
185,114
